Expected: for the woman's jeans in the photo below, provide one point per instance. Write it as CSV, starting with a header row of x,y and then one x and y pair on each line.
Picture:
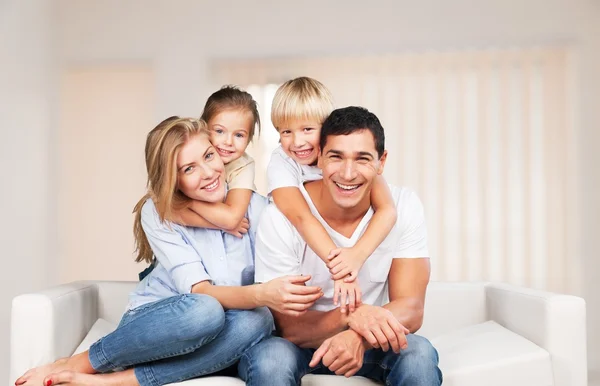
x,y
179,338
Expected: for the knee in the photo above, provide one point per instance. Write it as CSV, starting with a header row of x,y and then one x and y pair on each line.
x,y
272,358
421,349
250,326
261,321
419,362
202,316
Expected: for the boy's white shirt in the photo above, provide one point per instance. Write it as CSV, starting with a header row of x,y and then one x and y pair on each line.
x,y
283,172
280,250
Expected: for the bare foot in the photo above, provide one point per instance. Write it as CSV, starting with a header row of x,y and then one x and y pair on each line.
x,y
35,376
121,378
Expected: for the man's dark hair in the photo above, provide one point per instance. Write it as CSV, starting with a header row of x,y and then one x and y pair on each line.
x,y
351,119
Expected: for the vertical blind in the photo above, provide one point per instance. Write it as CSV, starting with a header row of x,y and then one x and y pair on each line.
x,y
484,137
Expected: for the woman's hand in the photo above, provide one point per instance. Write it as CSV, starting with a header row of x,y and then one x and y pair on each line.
x,y
289,295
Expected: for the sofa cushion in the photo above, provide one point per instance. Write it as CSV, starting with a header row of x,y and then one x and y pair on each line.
x,y
308,380
100,329
489,354
484,353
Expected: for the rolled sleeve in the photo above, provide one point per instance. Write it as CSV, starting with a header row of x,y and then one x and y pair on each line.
x,y
173,251
277,247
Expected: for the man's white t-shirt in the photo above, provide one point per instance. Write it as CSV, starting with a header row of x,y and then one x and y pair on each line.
x,y
283,172
280,250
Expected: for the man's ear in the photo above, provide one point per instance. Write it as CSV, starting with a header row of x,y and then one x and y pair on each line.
x,y
319,159
382,160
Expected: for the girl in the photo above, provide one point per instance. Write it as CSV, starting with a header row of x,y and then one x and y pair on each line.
x,y
232,117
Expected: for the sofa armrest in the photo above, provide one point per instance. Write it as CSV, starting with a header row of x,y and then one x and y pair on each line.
x,y
50,324
552,321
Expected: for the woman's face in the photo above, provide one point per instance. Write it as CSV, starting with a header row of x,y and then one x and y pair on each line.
x,y
200,171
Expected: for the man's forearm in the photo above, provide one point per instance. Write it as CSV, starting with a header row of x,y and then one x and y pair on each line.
x,y
408,311
312,328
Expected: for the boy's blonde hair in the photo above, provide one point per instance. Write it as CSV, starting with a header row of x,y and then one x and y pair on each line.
x,y
301,98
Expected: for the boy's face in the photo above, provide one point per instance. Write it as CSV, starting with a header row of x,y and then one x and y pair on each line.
x,y
300,140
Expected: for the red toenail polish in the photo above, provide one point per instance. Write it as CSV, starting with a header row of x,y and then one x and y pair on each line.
x,y
49,383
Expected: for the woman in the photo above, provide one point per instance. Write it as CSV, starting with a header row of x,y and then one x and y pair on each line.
x,y
196,312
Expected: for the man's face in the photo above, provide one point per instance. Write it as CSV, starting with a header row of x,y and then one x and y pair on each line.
x,y
350,165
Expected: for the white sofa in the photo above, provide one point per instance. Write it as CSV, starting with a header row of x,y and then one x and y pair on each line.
x,y
486,334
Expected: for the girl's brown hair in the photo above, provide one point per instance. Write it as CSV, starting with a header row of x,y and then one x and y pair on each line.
x,y
232,98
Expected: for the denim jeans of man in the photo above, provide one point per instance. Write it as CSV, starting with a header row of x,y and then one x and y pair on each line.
x,y
278,362
179,338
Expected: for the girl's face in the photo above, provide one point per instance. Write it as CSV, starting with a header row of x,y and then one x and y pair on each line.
x,y
230,133
200,173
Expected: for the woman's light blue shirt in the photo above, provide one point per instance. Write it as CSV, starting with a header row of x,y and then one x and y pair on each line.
x,y
188,255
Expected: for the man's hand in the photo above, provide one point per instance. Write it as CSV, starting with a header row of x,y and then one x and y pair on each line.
x,y
288,295
241,229
343,353
344,263
349,295
379,327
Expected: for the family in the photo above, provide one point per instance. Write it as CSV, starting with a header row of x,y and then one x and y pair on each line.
x,y
327,275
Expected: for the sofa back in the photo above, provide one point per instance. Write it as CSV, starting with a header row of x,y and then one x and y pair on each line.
x,y
448,306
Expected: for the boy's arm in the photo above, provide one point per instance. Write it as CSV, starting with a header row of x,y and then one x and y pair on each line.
x,y
350,261
383,219
291,203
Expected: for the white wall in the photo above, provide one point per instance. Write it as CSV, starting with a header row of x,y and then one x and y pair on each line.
x,y
589,125
27,117
105,116
182,37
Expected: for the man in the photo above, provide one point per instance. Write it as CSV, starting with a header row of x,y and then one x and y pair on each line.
x,y
376,340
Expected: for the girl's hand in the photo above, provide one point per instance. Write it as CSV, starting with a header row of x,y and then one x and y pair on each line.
x,y
241,229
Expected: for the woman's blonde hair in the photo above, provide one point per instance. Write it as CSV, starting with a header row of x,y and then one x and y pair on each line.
x,y
300,98
232,97
163,144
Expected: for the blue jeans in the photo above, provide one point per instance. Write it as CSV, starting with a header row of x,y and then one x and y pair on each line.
x,y
179,338
278,362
